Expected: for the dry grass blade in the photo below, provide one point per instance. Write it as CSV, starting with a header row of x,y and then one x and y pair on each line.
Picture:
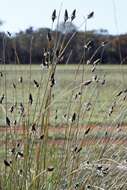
x,y
96,61
93,69
89,44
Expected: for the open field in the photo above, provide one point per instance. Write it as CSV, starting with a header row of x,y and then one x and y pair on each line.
x,y
101,96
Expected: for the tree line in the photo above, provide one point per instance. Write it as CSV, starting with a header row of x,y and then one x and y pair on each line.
x,y
30,45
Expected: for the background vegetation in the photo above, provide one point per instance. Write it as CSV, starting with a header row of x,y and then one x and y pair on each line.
x,y
22,40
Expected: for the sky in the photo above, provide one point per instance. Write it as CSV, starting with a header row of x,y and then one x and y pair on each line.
x,y
20,14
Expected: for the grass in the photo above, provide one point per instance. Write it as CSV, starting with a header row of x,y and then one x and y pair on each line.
x,y
88,111
85,154
100,96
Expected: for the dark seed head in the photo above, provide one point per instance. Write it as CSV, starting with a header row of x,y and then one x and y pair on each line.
x,y
79,150
103,82
50,169
99,167
20,154
7,164
125,91
94,78
90,15
41,137
13,150
14,122
124,98
86,83
104,172
33,128
1,74
111,110
76,185
21,108
20,172
88,187
8,123
75,149
66,16
9,34
11,109
30,99
76,96
73,15
20,79
88,162
1,98
14,86
56,115
53,15
87,131
73,117
36,83
49,37
18,145
57,53
106,134
119,93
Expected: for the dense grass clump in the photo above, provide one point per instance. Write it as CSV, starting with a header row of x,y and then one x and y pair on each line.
x,y
62,127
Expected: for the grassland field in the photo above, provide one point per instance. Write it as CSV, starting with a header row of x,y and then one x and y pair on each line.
x,y
98,95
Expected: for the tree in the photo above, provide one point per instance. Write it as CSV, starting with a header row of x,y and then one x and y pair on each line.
x,y
67,27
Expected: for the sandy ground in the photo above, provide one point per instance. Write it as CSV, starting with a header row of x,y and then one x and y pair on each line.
x,y
88,140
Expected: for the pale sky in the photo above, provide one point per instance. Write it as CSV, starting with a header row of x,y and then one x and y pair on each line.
x,y
20,14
